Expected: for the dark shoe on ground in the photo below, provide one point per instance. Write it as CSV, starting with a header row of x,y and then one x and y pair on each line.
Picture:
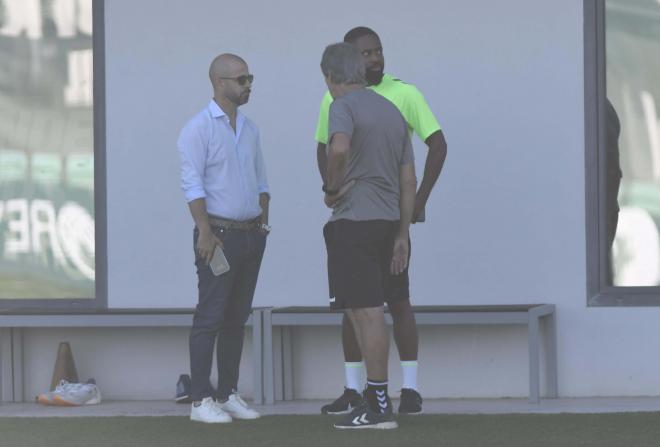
x,y
183,390
411,402
344,403
364,417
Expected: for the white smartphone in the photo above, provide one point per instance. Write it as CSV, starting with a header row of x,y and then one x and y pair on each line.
x,y
219,264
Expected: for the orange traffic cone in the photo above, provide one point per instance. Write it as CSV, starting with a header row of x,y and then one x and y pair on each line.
x,y
65,368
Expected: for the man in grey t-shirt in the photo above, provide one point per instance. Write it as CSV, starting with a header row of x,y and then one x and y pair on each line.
x,y
379,146
371,187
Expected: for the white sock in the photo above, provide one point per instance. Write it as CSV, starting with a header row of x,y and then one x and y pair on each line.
x,y
353,372
409,369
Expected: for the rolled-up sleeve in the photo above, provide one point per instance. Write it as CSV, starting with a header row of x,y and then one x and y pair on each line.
x,y
260,166
340,120
192,151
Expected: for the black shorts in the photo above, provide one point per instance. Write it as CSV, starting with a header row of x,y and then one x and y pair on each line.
x,y
359,257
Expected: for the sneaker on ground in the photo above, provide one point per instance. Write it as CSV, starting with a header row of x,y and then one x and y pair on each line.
x,y
364,417
411,402
183,390
76,394
238,409
47,398
348,401
209,411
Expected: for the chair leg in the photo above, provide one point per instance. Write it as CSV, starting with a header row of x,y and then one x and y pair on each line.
x,y
533,339
287,363
257,356
269,381
551,354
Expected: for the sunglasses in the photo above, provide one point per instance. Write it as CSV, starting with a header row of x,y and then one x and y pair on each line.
x,y
242,79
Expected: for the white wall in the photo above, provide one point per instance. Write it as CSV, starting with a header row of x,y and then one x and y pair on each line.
x,y
506,222
511,107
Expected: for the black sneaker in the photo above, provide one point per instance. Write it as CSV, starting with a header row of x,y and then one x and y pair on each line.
x,y
344,403
364,417
411,402
183,390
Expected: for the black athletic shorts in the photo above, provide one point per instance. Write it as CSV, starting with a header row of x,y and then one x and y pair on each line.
x,y
359,257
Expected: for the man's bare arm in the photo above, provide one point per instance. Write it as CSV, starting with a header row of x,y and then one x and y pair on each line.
x,y
340,146
407,187
435,159
322,159
206,240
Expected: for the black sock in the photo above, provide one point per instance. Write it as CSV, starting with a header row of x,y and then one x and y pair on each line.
x,y
377,397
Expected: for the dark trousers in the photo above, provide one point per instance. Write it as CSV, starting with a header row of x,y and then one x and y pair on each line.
x,y
224,306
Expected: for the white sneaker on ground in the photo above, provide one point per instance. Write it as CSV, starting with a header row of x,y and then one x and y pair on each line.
x,y
76,394
209,411
47,397
238,409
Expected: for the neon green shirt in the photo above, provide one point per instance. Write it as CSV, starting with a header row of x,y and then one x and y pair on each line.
x,y
405,97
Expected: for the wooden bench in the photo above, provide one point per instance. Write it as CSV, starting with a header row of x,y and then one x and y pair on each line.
x,y
278,322
12,323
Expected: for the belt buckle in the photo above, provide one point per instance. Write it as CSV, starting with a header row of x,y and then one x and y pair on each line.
x,y
217,222
237,225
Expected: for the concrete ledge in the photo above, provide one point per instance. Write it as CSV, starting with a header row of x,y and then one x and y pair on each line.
x,y
431,406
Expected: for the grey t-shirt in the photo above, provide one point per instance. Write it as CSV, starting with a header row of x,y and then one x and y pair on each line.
x,y
380,145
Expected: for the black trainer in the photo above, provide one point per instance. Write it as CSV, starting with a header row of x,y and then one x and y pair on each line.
x,y
183,390
364,417
411,402
344,403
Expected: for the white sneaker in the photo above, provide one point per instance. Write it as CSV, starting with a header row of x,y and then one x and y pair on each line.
x,y
209,411
76,394
47,397
238,409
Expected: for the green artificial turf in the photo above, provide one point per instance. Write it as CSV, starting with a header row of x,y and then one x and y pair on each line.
x,y
556,430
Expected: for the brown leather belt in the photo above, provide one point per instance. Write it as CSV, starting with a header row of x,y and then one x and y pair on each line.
x,y
234,224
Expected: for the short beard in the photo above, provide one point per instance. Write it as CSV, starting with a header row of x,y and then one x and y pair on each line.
x,y
239,100
374,77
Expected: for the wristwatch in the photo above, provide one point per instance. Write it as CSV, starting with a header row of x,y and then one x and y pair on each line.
x,y
265,227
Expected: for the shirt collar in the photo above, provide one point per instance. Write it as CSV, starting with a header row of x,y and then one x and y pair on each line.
x,y
217,112
386,78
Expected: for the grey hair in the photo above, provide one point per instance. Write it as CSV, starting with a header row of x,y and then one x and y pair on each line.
x,y
343,64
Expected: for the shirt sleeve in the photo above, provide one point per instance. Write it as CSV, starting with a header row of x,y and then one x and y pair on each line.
x,y
322,124
260,166
192,151
340,120
418,114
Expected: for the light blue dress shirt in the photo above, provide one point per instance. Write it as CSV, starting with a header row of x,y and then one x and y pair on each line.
x,y
224,167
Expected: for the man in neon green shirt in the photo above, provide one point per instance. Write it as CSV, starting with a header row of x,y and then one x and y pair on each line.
x,y
421,121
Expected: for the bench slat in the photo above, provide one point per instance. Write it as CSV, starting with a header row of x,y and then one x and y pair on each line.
x,y
418,309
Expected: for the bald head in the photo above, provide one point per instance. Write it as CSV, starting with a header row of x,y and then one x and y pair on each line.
x,y
231,80
226,65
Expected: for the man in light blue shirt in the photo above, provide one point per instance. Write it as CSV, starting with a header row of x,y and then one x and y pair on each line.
x,y
224,181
